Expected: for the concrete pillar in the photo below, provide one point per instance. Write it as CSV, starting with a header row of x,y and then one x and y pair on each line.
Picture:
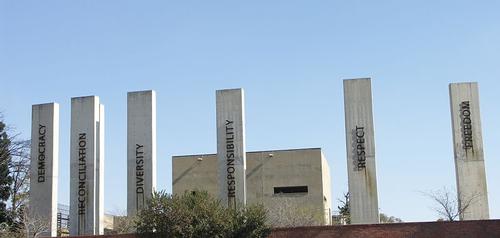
x,y
141,149
44,164
99,198
360,143
468,150
86,166
231,153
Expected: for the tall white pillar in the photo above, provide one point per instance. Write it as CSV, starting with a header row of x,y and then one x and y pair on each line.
x,y
231,153
468,151
86,166
99,198
44,164
360,143
141,149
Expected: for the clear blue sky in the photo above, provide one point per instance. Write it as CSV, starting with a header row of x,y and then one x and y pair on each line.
x,y
289,56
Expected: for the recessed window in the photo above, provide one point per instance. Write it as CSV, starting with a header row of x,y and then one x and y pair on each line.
x,y
291,189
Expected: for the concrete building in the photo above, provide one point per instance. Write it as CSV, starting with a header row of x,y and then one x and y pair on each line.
x,y
301,175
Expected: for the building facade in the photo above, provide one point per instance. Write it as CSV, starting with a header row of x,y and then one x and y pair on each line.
x,y
299,176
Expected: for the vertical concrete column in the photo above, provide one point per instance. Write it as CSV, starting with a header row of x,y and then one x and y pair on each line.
x,y
99,198
44,164
231,153
360,143
141,149
86,166
468,151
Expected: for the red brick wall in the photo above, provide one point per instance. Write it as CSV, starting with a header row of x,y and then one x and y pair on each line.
x,y
466,229
484,228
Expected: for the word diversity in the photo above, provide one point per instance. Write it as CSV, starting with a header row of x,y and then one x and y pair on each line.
x,y
139,171
87,157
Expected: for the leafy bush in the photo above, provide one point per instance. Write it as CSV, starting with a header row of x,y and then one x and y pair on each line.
x,y
197,214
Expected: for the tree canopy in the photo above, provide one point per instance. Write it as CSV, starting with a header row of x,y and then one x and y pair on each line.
x,y
5,178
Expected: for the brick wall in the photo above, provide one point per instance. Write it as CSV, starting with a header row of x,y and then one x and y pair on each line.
x,y
475,229
483,228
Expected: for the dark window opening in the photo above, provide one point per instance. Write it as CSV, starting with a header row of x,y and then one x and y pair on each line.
x,y
291,189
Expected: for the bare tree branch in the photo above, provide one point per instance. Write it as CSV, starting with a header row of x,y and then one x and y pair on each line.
x,y
450,205
34,225
285,212
19,167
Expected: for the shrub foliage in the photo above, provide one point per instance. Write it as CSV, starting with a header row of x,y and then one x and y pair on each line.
x,y
197,214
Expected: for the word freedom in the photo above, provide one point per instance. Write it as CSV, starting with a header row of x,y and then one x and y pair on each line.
x,y
360,148
231,182
139,173
42,130
465,116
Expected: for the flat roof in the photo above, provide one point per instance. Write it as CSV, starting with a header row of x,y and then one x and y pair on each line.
x,y
262,151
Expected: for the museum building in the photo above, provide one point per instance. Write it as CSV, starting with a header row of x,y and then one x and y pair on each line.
x,y
301,177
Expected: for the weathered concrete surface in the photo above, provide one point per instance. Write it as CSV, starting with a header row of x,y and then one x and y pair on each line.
x,y
468,150
265,171
44,164
86,166
360,144
231,153
141,149
326,190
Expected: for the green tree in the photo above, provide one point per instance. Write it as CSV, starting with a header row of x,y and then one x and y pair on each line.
x,y
5,178
14,181
249,222
197,214
345,209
